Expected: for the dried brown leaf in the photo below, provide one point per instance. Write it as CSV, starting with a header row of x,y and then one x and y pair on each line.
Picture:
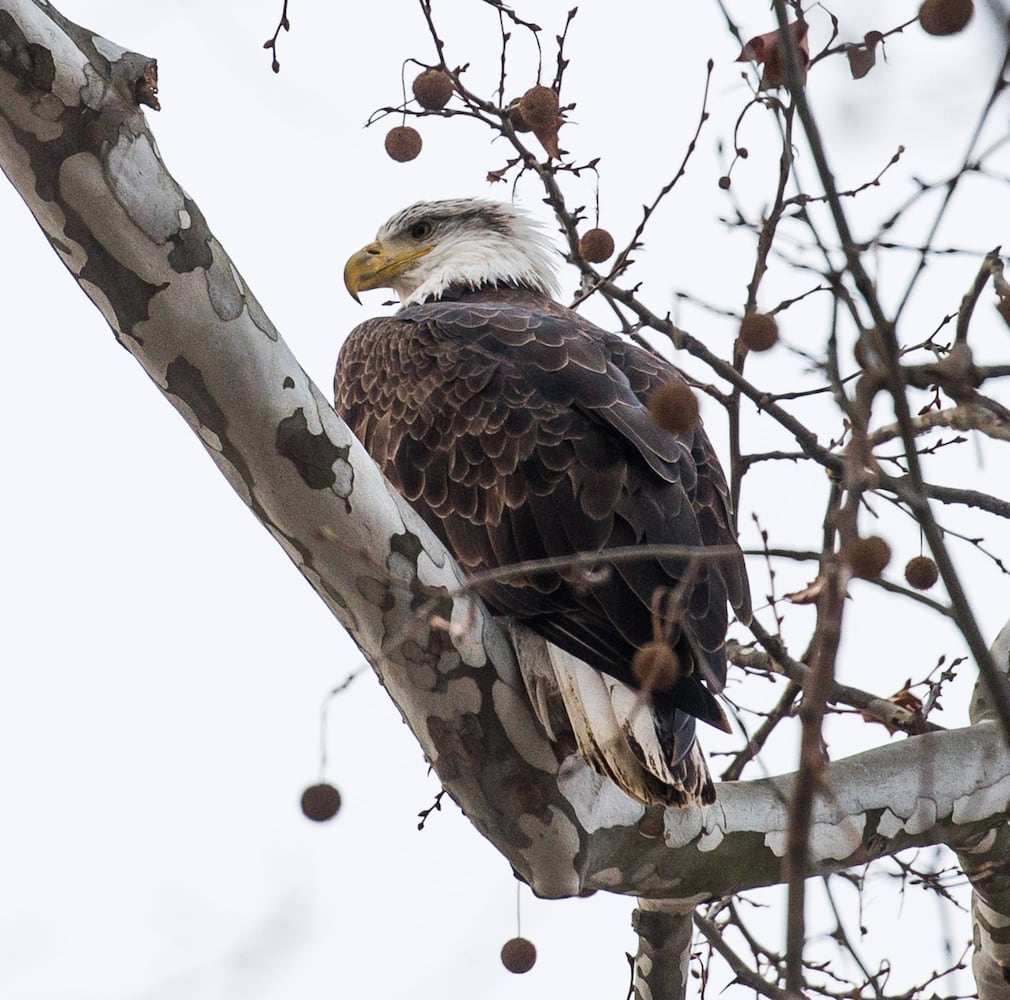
x,y
548,138
809,594
766,51
903,699
861,60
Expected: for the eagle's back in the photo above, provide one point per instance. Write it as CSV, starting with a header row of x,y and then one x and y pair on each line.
x,y
519,431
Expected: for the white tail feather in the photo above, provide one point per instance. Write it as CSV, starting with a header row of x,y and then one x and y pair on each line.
x,y
612,724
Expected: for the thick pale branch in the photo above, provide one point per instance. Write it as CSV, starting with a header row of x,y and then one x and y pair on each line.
x,y
961,418
987,864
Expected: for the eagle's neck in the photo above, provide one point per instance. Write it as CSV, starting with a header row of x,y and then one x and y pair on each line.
x,y
520,258
506,293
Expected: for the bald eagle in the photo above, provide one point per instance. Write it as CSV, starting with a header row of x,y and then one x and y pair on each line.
x,y
519,431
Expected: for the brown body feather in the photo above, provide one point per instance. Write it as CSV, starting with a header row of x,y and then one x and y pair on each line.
x,y
518,430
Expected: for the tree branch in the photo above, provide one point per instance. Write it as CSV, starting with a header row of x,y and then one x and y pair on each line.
x,y
665,933
986,864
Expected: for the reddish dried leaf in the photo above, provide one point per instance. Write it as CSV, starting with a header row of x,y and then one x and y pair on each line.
x,y
903,699
766,51
809,594
548,138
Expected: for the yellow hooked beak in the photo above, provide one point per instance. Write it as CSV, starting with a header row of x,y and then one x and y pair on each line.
x,y
376,265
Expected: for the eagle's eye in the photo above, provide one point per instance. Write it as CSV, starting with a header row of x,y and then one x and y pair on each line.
x,y
419,230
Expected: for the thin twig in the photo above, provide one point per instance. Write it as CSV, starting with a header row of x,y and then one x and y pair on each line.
x,y
271,43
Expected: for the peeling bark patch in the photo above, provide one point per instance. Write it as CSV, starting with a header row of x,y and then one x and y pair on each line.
x,y
834,841
656,928
28,61
225,296
93,138
408,545
531,798
414,653
191,246
108,50
333,594
521,729
43,71
186,381
598,803
460,748
313,455
133,295
259,317
139,182
132,299
376,593
982,802
101,130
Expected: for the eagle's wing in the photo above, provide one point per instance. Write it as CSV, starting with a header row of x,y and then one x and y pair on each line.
x,y
522,434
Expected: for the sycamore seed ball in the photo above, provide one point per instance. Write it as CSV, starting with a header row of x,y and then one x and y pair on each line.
x,y
516,118
518,955
539,107
656,667
867,557
403,143
432,89
921,572
759,331
945,17
674,407
596,246
320,802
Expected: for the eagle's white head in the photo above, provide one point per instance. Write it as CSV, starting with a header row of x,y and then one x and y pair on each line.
x,y
433,246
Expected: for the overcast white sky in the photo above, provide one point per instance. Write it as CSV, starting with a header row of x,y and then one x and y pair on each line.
x,y
164,664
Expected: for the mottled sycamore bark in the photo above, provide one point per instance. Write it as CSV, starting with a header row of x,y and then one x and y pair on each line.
x,y
75,143
986,862
662,965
